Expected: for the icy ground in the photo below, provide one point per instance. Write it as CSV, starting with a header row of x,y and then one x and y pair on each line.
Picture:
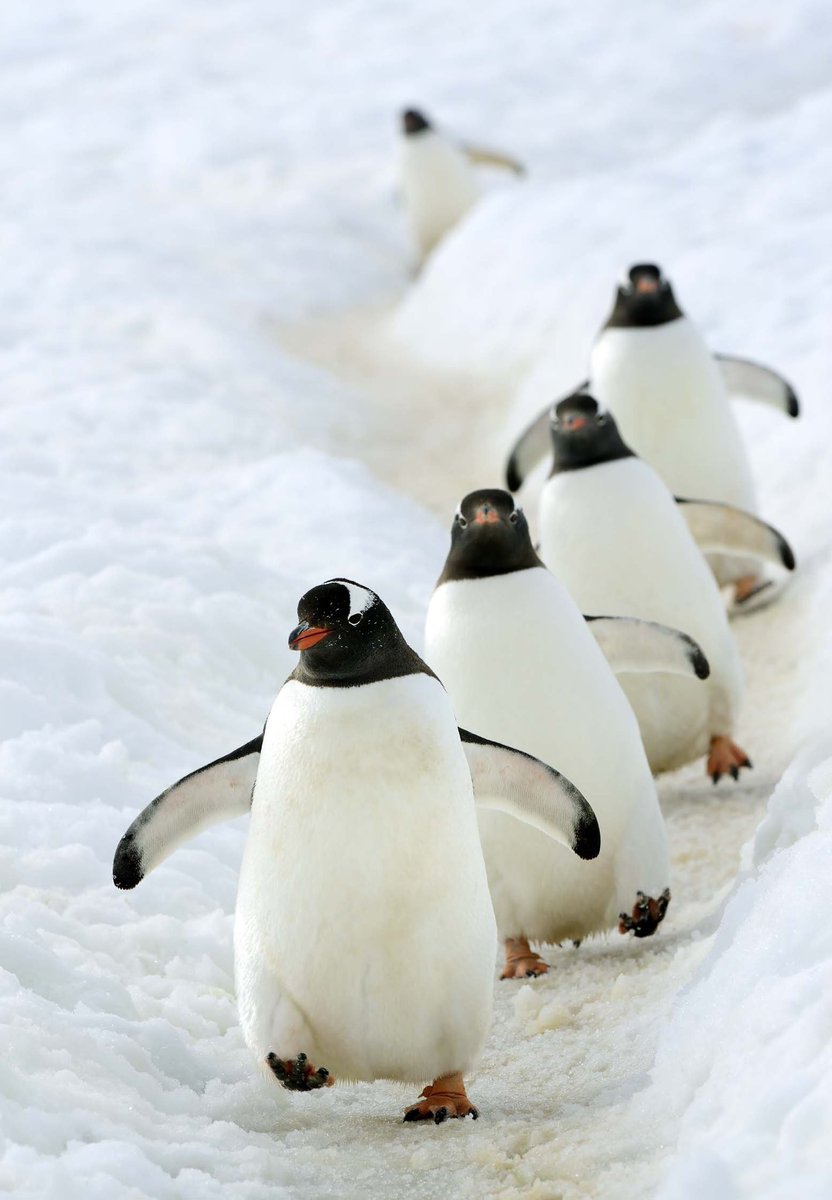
x,y
221,385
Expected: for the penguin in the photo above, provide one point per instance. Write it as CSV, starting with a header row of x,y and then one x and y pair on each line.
x,y
522,664
621,543
364,937
439,183
652,370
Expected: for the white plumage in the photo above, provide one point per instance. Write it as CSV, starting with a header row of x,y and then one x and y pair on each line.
x,y
439,186
667,394
613,534
522,667
364,932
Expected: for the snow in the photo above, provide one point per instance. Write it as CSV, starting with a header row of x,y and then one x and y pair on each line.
x,y
747,1055
220,386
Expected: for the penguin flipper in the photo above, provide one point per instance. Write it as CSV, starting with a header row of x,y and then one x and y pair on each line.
x,y
723,529
526,788
216,792
742,377
483,156
632,646
532,446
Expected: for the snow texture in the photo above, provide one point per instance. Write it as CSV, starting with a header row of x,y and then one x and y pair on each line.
x,y
220,386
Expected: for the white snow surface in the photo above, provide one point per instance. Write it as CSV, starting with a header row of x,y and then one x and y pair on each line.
x,y
220,386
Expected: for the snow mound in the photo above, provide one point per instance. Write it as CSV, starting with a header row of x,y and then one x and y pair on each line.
x,y
746,1058
532,272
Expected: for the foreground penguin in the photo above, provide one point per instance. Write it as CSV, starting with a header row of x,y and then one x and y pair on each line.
x,y
364,939
439,183
615,536
521,664
650,367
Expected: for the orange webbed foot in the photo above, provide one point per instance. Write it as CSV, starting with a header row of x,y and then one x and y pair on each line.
x,y
726,758
521,961
443,1099
748,588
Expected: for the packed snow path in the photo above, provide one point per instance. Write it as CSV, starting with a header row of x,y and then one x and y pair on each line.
x,y
220,386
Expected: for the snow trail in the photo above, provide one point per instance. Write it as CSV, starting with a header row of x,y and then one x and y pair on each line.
x,y
560,1083
433,434
181,459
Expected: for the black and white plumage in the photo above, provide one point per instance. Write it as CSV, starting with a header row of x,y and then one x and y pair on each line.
x,y
669,394
522,665
364,932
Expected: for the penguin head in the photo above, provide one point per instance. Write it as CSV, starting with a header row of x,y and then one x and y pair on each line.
x,y
346,635
584,434
414,122
643,298
489,536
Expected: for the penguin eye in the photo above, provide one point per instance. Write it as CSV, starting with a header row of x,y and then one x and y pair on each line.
x,y
355,619
513,517
602,418
463,524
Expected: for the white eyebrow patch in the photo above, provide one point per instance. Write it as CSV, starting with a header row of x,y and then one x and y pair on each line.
x,y
361,598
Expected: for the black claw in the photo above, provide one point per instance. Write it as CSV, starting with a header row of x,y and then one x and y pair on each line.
x,y
280,1072
299,1072
412,1114
576,942
748,763
645,922
440,1115
735,772
475,1112
295,1074
717,775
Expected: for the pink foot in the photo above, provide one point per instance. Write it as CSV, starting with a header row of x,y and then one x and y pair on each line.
x,y
521,960
726,758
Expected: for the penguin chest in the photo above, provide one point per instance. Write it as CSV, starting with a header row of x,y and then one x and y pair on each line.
x,y
665,391
439,187
522,668
363,894
613,535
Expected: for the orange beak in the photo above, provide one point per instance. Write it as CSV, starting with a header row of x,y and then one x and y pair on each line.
x,y
646,285
486,515
306,636
574,422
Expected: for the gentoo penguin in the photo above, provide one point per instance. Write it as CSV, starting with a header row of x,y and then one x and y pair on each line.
x,y
622,544
364,937
522,664
439,183
650,367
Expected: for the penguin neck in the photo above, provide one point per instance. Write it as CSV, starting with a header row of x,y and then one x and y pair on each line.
x,y
397,661
475,562
572,454
643,312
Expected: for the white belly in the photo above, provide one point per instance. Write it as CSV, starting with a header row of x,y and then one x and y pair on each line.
x,y
613,535
665,390
365,935
522,668
438,185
